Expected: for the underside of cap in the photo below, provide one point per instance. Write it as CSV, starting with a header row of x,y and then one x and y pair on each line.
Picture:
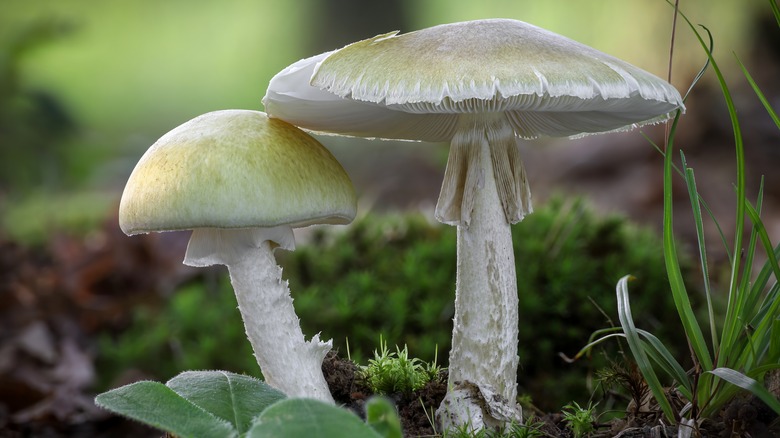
x,y
235,169
551,85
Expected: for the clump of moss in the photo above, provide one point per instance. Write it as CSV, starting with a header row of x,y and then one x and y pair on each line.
x,y
390,372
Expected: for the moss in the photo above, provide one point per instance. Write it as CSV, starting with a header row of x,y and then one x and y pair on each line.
x,y
394,275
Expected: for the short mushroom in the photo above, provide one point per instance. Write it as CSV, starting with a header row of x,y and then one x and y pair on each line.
x,y
241,182
480,85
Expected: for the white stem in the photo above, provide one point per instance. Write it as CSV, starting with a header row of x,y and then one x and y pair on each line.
x,y
288,362
483,360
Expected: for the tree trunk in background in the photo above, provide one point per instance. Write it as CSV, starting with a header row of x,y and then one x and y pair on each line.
x,y
340,22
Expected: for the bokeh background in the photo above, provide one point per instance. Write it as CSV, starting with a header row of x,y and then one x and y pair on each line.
x,y
86,87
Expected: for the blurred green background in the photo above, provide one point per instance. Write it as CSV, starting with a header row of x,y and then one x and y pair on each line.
x,y
98,82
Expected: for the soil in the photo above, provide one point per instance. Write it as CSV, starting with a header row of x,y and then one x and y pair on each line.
x,y
745,417
415,409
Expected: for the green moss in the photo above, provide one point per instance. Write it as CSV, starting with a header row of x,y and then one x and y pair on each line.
x,y
395,276
198,329
391,372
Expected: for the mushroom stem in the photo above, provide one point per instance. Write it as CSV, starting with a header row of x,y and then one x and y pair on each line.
x,y
287,361
462,175
483,360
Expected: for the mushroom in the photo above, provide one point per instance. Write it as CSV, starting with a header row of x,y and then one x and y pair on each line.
x,y
242,182
481,86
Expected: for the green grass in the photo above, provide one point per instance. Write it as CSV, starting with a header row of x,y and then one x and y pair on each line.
x,y
743,342
580,420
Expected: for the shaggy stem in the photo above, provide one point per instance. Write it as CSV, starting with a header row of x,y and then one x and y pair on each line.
x,y
288,362
483,360
465,173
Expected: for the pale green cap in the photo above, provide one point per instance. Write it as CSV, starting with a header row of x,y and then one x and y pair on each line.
x,y
414,85
235,169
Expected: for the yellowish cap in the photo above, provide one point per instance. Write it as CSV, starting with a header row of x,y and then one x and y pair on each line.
x,y
235,169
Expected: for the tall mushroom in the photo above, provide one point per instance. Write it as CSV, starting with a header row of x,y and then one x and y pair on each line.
x,y
480,85
241,182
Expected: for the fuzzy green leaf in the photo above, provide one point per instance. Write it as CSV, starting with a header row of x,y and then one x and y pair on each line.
x,y
303,418
235,398
381,416
158,406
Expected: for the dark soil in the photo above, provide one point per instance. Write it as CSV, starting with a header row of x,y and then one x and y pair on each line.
x,y
745,417
415,409
53,301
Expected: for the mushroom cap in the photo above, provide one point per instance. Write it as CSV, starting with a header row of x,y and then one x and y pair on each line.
x,y
547,84
235,169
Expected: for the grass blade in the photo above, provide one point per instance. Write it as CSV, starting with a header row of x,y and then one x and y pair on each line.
x,y
665,359
637,350
731,329
745,382
758,225
692,330
693,193
701,201
592,342
652,346
775,11
760,95
752,293
774,339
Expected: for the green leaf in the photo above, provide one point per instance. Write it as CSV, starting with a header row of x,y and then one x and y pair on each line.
x,y
755,217
731,330
235,398
157,405
682,302
637,350
759,94
697,218
304,418
745,382
382,417
774,339
664,358
775,10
